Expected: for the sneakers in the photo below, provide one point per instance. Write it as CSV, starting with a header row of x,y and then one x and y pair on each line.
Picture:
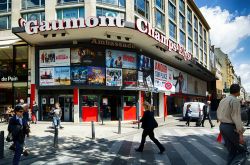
x,y
161,152
138,150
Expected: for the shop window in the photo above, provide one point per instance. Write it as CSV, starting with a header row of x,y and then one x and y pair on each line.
x,y
70,13
21,63
182,38
142,8
159,20
27,4
40,16
160,4
172,30
118,3
109,13
129,101
89,100
171,11
6,62
5,22
63,2
5,6
182,21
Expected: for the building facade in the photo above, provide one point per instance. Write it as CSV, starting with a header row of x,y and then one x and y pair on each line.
x,y
103,58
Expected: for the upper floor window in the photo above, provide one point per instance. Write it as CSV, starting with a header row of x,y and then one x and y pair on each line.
x,y
26,4
110,13
205,58
5,22
5,6
70,13
195,22
182,21
189,15
142,7
196,51
190,45
196,37
200,29
159,20
201,43
173,1
205,47
119,3
160,4
182,38
172,30
40,16
182,6
201,55
205,35
190,30
171,11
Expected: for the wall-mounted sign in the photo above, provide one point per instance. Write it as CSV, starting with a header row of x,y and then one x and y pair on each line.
x,y
129,77
160,75
112,43
54,57
113,77
145,27
9,79
34,26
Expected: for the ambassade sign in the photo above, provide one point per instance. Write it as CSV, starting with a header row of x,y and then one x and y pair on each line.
x,y
35,26
146,28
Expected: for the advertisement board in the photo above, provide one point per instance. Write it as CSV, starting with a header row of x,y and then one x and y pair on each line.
x,y
120,59
62,76
145,63
96,76
142,82
160,75
54,57
129,77
79,75
113,77
47,76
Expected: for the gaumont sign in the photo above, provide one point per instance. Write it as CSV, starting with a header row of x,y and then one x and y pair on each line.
x,y
146,28
34,26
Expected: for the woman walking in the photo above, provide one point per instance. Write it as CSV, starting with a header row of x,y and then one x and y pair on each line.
x,y
149,124
188,114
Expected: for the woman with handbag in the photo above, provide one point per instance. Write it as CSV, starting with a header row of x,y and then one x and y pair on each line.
x,y
149,124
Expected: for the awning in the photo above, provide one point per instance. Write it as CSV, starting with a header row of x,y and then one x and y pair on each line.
x,y
8,42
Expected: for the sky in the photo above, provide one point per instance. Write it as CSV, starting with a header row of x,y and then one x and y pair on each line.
x,y
230,30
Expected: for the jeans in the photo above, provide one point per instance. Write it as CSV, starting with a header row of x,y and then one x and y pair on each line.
x,y
56,121
18,152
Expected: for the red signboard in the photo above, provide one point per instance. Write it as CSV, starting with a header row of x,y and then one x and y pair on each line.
x,y
168,85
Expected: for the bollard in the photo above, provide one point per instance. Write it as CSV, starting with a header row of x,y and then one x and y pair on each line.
x,y
1,144
119,126
93,129
56,138
138,122
102,117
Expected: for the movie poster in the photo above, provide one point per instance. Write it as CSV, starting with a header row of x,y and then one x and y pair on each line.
x,y
145,63
178,80
47,76
129,78
142,82
120,59
160,75
96,76
62,76
87,57
79,75
113,77
54,57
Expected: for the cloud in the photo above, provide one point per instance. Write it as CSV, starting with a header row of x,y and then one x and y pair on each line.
x,y
227,29
244,71
240,50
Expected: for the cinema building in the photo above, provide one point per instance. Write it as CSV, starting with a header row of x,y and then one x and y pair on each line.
x,y
103,58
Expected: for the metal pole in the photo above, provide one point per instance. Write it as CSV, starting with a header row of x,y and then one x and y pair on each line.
x,y
138,122
93,129
56,138
102,116
119,126
1,144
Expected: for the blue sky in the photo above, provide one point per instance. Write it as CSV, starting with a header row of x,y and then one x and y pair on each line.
x,y
230,30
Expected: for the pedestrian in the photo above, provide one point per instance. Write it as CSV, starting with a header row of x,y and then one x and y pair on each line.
x,y
188,114
34,112
148,124
248,116
206,114
19,128
231,127
57,114
26,115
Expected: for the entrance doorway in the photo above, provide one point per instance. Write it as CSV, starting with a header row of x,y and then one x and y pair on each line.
x,y
66,104
110,107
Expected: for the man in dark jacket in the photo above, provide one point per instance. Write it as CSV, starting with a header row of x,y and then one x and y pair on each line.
x,y
19,129
206,114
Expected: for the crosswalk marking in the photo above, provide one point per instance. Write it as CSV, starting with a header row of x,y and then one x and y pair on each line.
x,y
212,156
135,157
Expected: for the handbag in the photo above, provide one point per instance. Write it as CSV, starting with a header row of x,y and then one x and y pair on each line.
x,y
9,137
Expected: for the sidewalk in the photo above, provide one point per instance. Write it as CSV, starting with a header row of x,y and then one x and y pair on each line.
x,y
41,139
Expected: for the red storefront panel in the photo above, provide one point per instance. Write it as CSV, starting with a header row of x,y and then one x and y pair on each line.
x,y
89,113
130,113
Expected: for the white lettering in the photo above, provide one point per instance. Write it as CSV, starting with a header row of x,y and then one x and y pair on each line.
x,y
139,23
31,27
92,22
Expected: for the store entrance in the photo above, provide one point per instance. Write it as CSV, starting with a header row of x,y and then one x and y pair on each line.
x,y
66,103
110,107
